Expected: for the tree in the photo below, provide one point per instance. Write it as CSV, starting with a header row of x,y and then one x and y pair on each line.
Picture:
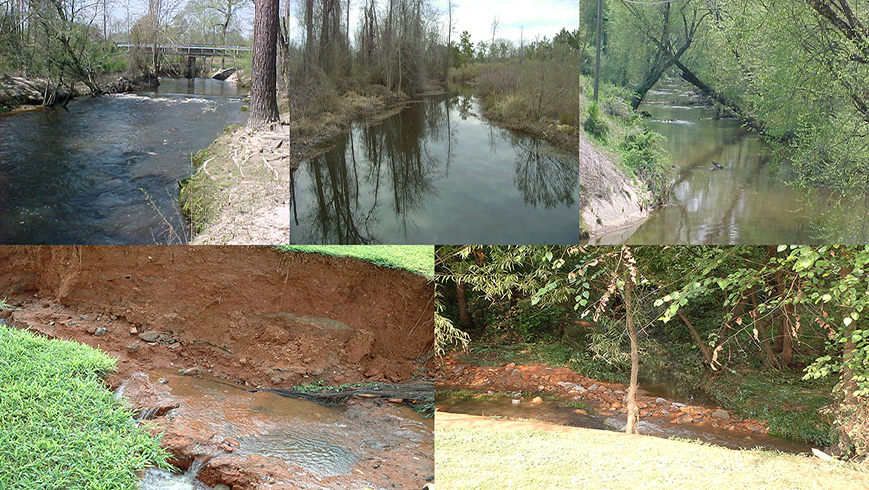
x,y
263,84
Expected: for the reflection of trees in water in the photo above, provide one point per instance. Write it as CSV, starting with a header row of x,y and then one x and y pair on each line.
x,y
541,177
395,160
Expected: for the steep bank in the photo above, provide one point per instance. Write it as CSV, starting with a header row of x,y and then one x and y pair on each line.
x,y
239,194
252,314
21,94
609,200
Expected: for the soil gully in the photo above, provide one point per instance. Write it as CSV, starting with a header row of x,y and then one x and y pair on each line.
x,y
236,319
658,416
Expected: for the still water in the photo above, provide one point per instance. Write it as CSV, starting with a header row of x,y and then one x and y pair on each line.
x,y
105,171
748,201
437,172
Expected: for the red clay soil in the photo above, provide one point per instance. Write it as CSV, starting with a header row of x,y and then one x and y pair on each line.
x,y
605,398
254,315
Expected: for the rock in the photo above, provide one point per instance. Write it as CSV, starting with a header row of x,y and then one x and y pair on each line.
x,y
174,346
516,372
721,414
684,419
133,347
593,387
577,388
101,332
661,401
642,404
580,411
510,365
150,336
619,392
192,371
223,74
133,331
163,381
537,400
516,401
678,405
614,423
665,412
395,400
565,384
277,379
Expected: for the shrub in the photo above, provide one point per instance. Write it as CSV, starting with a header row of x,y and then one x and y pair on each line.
x,y
593,124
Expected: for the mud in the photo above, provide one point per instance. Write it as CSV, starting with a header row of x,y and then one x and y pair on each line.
x,y
255,316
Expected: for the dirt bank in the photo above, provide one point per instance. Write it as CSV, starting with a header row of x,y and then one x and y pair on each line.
x,y
258,315
255,316
562,136
609,200
240,193
607,399
21,94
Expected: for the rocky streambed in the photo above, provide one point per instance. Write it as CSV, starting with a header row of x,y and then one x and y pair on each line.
x,y
545,392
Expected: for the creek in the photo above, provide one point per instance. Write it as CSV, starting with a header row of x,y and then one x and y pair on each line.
x,y
106,169
323,441
556,413
437,172
747,201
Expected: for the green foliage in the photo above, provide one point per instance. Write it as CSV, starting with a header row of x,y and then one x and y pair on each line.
x,y
59,426
642,153
320,386
593,124
534,323
791,407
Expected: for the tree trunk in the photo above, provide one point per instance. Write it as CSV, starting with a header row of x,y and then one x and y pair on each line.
x,y
263,84
771,359
464,316
703,347
633,410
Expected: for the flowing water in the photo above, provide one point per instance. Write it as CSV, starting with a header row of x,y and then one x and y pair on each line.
x,y
105,171
748,201
550,412
437,172
324,440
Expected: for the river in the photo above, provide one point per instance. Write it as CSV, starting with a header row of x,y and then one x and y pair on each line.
x,y
437,172
105,170
748,201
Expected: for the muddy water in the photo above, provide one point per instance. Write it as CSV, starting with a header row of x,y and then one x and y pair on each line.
x,y
105,171
324,440
747,202
654,426
436,173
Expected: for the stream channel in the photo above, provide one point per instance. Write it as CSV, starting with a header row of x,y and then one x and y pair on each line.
x,y
748,201
437,172
658,385
105,170
324,441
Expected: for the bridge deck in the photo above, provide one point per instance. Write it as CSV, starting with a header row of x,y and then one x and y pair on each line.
x,y
197,51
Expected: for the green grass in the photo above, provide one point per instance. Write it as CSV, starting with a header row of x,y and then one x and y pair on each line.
x,y
418,259
320,386
510,455
472,395
60,428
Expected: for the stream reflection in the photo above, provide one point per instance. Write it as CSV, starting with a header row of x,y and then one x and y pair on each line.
x,y
407,179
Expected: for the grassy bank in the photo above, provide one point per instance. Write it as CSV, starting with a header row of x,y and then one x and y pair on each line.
x,y
59,426
494,454
537,97
612,126
418,259
320,111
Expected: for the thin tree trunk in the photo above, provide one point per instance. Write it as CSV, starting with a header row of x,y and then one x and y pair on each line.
x,y
703,347
263,85
633,410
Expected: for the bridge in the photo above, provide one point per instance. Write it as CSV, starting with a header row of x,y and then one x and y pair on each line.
x,y
192,52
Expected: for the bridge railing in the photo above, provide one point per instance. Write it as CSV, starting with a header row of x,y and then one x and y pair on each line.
x,y
189,50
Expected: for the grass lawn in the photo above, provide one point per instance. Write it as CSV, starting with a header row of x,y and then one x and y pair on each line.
x,y
60,428
478,453
418,259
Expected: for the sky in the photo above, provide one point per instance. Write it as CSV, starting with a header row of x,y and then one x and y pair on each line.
x,y
539,18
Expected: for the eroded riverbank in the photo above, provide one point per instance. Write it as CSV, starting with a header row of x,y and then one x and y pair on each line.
x,y
234,321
